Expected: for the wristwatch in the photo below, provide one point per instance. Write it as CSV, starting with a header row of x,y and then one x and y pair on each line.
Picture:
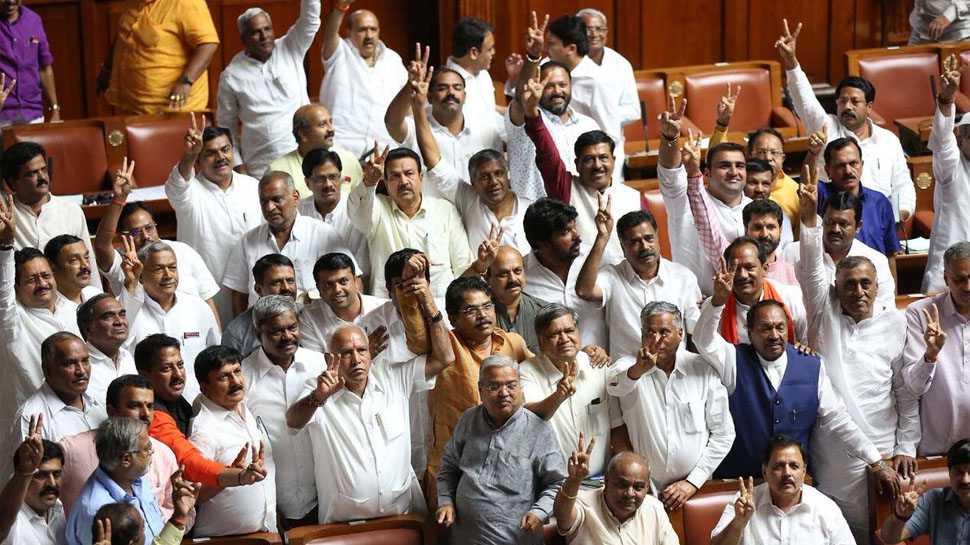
x,y
185,81
436,318
876,467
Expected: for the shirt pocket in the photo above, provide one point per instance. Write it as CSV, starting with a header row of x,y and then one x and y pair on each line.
x,y
598,417
691,415
513,473
392,424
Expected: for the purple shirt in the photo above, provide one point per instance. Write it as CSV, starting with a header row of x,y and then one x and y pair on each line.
x,y
23,52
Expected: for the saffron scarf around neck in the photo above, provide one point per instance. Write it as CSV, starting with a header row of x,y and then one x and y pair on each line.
x,y
729,318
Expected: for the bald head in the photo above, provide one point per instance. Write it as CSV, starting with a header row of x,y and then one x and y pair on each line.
x,y
506,276
365,32
313,128
344,334
627,483
628,462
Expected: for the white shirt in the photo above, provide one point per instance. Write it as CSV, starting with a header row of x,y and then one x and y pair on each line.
x,y
546,285
590,410
104,370
476,135
523,172
318,321
864,359
264,95
595,96
22,330
58,216
884,162
309,239
477,217
60,420
219,434
684,240
29,527
625,294
350,237
209,218
190,321
194,275
479,96
624,83
270,391
832,415
951,198
595,524
791,296
362,446
680,423
816,520
586,202
887,284
358,95
435,230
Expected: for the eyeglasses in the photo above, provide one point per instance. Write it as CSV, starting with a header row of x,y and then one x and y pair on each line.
x,y
766,153
150,228
495,388
473,311
332,178
597,30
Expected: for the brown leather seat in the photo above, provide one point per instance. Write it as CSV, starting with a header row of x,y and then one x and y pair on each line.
x,y
397,530
934,472
76,150
754,107
550,534
702,512
902,85
653,94
650,199
260,538
155,144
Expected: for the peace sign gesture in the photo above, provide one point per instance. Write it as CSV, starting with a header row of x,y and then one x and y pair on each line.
x,y
8,223
531,93
131,266
725,106
906,502
724,283
603,219
419,76
934,336
488,249
691,153
808,196
786,45
646,360
102,532
374,167
949,83
123,180
578,466
256,471
565,388
744,505
670,120
535,38
31,451
192,145
328,383
4,90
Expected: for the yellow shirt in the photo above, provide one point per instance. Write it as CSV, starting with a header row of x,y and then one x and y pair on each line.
x,y
292,164
785,194
156,39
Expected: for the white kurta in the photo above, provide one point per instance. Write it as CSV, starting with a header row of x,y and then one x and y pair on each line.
x,y
479,96
104,370
58,216
29,527
546,285
318,321
350,236
194,276
887,284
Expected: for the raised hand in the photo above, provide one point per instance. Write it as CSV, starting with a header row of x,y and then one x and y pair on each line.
x,y
102,532
513,66
31,451
415,267
597,356
488,249
192,145
950,83
131,266
328,383
531,94
8,222
258,466
906,502
724,283
578,463
374,167
535,37
445,515
817,141
419,88
565,388
646,360
603,219
744,505
4,90
123,180
377,341
786,45
676,494
808,196
184,494
690,153
671,120
725,106
934,336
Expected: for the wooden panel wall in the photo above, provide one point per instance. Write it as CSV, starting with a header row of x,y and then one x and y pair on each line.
x,y
651,34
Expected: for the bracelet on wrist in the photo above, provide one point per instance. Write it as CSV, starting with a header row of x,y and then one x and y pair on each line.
x,y
343,7
118,202
26,474
239,476
901,519
532,59
928,359
943,102
567,496
694,176
6,246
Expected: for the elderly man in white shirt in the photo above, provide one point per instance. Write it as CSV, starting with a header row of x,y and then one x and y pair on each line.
x,y
63,398
361,76
222,426
322,170
562,387
783,509
619,71
216,206
457,135
31,510
341,302
285,232
103,323
674,406
951,171
861,342
404,218
472,52
41,216
264,84
885,167
357,417
483,196
275,374
623,289
154,305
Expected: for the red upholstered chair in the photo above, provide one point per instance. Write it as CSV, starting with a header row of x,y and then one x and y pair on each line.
x,y
653,94
902,83
650,199
550,534
155,144
934,472
704,509
397,530
77,151
261,538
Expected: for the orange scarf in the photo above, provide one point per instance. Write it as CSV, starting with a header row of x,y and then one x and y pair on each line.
x,y
729,318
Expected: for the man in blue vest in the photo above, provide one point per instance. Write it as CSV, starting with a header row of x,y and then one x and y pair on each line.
x,y
775,389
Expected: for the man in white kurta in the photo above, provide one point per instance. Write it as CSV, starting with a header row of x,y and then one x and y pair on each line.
x,y
619,71
361,76
104,326
264,84
60,419
472,53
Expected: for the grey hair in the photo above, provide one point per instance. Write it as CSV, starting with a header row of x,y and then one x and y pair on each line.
x,y
957,252
269,306
300,123
277,174
247,15
620,456
496,361
853,261
550,312
117,436
145,251
662,307
594,12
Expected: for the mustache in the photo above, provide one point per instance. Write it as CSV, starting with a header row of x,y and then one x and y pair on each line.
x,y
648,253
176,382
450,98
483,322
50,490
235,388
331,134
513,284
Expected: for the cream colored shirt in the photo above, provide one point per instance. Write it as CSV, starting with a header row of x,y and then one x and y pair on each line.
x,y
596,525
292,164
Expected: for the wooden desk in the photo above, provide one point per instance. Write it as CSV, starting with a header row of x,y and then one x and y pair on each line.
x,y
914,133
909,272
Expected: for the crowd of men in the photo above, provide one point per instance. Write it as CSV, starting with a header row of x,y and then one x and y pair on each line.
x,y
372,309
